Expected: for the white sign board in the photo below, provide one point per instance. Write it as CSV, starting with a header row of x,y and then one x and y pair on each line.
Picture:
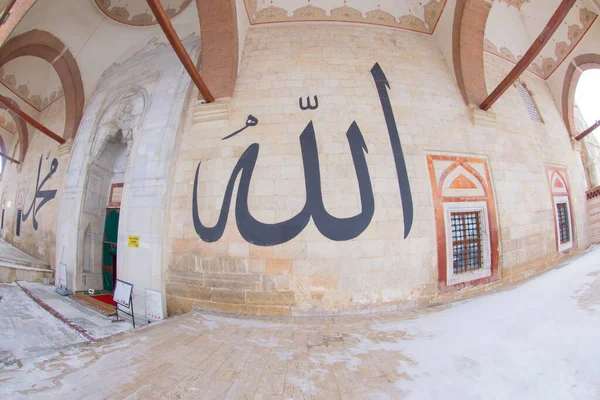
x,y
62,275
154,309
122,293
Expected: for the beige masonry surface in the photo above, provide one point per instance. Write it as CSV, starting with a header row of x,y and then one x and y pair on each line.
x,y
41,242
378,270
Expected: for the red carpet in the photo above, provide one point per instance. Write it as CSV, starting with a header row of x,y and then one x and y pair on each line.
x,y
105,298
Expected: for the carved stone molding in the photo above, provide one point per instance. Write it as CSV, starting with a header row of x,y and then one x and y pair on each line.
x,y
218,110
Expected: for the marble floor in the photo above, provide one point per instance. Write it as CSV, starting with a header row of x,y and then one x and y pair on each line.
x,y
536,340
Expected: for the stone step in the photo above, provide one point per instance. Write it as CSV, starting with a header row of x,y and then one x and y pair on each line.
x,y
11,272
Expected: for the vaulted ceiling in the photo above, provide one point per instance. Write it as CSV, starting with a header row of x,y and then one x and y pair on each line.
x,y
513,25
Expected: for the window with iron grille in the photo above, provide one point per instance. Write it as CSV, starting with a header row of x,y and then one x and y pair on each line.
x,y
529,103
467,252
563,223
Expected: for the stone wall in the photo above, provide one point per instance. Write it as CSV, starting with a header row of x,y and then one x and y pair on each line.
x,y
22,179
379,269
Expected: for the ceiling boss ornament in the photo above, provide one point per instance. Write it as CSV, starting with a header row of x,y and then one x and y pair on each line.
x,y
137,12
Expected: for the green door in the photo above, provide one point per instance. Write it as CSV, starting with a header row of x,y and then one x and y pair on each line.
x,y
109,248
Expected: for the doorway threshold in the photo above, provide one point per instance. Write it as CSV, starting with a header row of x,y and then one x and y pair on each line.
x,y
86,300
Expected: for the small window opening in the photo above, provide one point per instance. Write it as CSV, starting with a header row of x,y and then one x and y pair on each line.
x,y
18,224
467,252
530,105
563,223
2,220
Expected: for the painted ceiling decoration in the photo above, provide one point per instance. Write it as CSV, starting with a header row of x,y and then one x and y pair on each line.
x,y
515,3
512,47
414,15
137,12
33,80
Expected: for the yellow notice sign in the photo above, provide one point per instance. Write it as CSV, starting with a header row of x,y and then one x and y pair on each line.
x,y
134,241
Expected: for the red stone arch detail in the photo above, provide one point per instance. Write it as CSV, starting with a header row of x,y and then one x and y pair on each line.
x,y
44,45
575,69
468,31
21,129
219,52
468,168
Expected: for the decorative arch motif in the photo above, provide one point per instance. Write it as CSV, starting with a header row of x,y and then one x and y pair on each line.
x,y
560,195
575,69
44,45
22,131
463,184
468,34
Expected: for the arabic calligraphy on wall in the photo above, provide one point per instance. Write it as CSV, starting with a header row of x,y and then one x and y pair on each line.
x,y
44,195
333,228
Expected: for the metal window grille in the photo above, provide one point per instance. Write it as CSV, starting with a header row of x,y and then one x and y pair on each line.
x,y
563,223
529,104
18,225
467,249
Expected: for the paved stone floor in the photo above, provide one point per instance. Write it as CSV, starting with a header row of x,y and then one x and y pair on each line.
x,y
27,330
538,340
96,325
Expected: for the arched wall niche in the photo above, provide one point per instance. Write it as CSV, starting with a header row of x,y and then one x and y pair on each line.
x,y
44,45
578,66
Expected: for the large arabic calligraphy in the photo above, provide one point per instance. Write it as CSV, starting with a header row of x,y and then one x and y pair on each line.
x,y
333,228
45,195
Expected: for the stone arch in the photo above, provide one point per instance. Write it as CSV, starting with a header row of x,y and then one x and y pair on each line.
x,y
22,131
575,69
219,52
468,31
44,45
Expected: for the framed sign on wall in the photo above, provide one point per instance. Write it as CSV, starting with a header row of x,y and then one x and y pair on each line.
x,y
116,194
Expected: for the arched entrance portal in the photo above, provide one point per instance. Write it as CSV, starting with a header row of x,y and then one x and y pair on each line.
x,y
105,181
105,169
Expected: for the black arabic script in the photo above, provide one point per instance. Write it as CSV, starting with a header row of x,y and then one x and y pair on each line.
x,y
44,195
339,229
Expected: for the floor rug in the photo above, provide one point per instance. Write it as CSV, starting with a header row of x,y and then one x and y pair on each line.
x,y
105,298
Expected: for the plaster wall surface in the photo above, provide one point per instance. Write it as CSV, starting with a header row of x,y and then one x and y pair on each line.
x,y
379,269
